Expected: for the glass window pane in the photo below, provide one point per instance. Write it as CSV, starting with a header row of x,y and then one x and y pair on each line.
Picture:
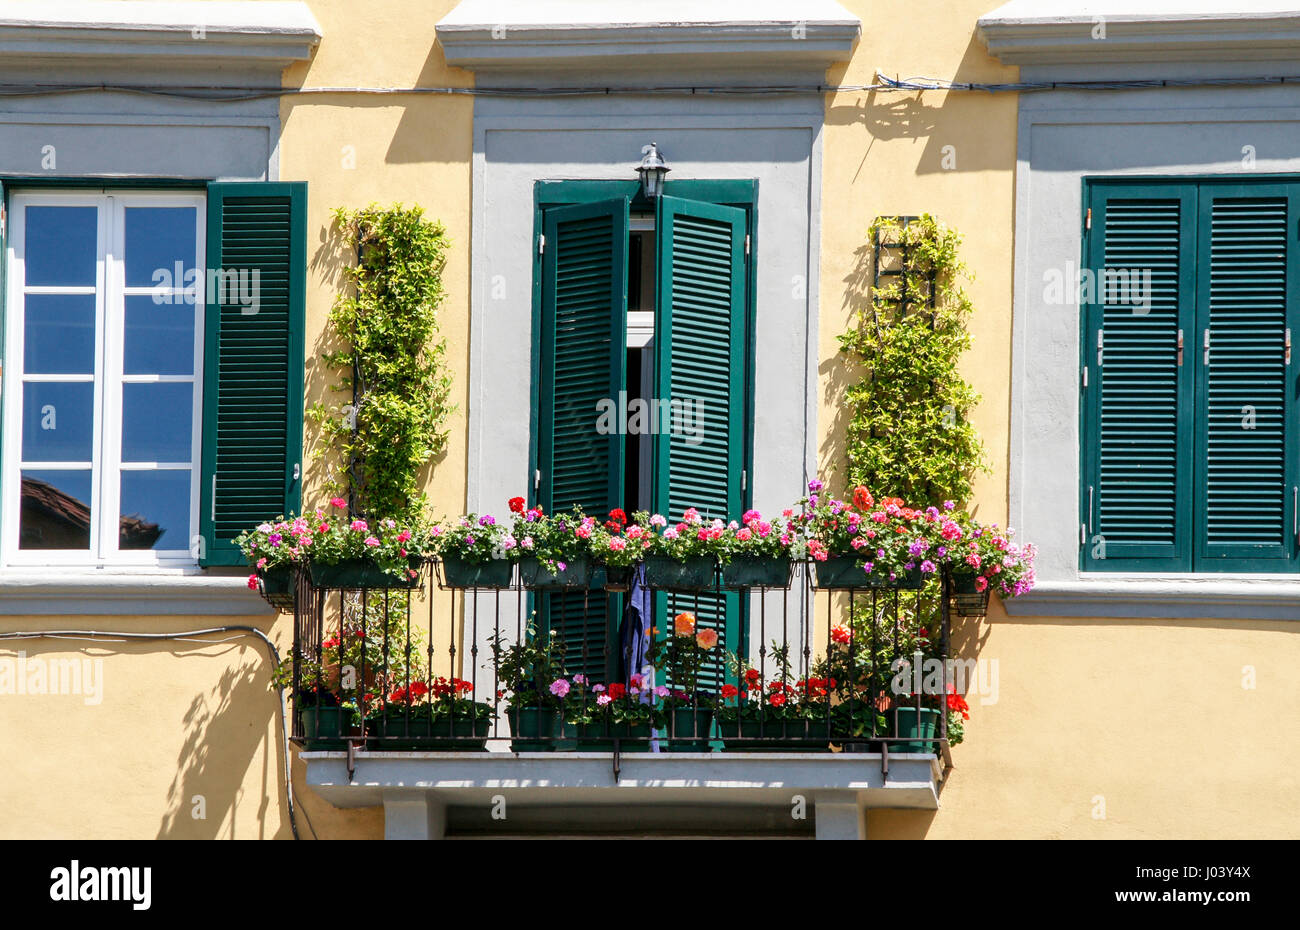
x,y
159,338
61,247
155,510
160,246
156,422
55,510
59,334
58,421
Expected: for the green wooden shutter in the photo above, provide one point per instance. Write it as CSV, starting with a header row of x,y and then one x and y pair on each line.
x,y
583,357
699,353
1136,492
253,360
1246,440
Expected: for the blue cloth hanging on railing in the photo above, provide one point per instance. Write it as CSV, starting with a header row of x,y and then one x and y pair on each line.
x,y
634,636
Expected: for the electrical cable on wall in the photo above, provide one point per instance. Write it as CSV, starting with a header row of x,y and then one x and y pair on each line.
x,y
99,636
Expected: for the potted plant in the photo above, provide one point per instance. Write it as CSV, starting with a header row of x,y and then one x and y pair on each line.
x,y
982,559
756,553
526,670
475,552
597,718
440,715
865,544
916,721
684,556
781,715
688,712
553,552
348,552
274,550
616,546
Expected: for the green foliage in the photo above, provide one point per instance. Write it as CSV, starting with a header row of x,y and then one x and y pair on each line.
x,y
908,432
393,363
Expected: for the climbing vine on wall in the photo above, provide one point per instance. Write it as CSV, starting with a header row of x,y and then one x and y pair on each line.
x,y
392,364
908,431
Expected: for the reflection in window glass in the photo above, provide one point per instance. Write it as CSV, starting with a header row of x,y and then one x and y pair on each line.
x,y
54,510
160,246
155,510
158,337
156,422
58,421
59,334
61,247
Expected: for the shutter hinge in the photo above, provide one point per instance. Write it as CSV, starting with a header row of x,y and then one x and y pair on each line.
x,y
1180,348
1288,346
541,243
746,243
1101,342
1087,219
537,479
214,498
1083,535
1207,347
3,217
744,480
1085,376
297,470
1295,514
1090,508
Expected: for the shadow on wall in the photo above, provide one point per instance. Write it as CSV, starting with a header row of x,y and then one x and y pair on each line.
x,y
838,372
957,121
226,729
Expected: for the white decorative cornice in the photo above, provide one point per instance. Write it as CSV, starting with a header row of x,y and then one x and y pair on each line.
x,y
607,37
259,34
1054,32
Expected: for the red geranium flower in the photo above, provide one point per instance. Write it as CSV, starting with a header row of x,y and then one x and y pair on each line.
x,y
516,505
730,691
616,691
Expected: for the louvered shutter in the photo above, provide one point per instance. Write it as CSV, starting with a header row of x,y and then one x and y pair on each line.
x,y
1246,438
1136,494
583,356
253,360
700,344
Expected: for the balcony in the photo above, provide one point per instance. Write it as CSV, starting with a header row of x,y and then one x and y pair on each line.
x,y
766,709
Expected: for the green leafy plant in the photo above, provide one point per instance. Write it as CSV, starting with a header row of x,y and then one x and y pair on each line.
x,y
474,539
392,363
527,668
908,432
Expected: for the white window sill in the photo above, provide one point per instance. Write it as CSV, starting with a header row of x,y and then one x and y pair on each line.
x,y
1220,596
127,592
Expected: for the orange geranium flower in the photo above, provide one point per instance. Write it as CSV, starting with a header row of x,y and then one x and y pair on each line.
x,y
707,639
684,624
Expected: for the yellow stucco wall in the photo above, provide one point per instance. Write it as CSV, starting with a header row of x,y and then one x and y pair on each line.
x,y
1149,718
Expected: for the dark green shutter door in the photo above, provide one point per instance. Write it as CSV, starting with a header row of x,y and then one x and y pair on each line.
x,y
1247,446
583,355
1136,493
253,360
700,352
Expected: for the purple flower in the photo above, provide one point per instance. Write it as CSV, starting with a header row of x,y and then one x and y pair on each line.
x,y
927,566
814,486
662,691
579,679
948,505
487,520
941,551
598,688
603,700
469,540
868,567
880,553
559,687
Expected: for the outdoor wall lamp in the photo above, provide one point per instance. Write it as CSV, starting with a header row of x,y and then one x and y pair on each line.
x,y
652,170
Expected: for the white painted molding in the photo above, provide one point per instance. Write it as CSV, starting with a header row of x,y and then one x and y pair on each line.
x,y
1173,597
1054,32
60,592
269,34
668,36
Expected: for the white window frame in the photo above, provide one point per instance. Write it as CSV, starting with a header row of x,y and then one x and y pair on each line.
x,y
106,468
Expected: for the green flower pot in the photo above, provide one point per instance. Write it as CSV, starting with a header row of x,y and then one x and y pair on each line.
x,y
844,572
907,725
599,736
534,729
688,729
327,728
612,577
665,572
276,586
772,735
425,733
969,601
360,573
751,571
494,573
536,574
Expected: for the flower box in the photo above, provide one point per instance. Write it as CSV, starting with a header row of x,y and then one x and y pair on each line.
x,y
752,571
613,577
689,729
908,726
494,573
694,574
844,572
533,729
535,573
775,735
967,599
599,736
276,585
327,728
393,731
360,573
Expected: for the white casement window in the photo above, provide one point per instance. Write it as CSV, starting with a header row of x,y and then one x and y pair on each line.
x,y
103,367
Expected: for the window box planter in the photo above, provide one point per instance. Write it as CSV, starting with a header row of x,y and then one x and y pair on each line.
x,y
844,572
327,728
967,601
276,585
494,573
694,574
536,574
394,732
907,724
751,571
359,573
689,729
534,729
615,577
772,735
599,736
